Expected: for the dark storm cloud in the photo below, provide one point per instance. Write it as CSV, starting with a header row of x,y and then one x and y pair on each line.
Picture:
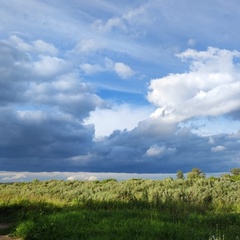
x,y
37,134
165,150
41,115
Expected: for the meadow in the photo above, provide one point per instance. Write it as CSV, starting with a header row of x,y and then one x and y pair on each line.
x,y
192,208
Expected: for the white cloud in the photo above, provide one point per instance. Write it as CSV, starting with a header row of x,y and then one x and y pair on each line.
x,y
211,88
91,68
82,177
115,22
20,44
111,23
38,46
123,70
135,13
92,178
218,148
88,45
126,22
17,177
71,176
44,47
157,151
118,118
48,66
64,83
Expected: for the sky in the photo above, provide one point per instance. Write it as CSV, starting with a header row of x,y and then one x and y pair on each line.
x,y
144,86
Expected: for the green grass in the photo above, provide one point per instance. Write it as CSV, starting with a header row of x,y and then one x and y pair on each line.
x,y
37,221
204,209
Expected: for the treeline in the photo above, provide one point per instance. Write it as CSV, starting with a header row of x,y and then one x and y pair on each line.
x,y
195,188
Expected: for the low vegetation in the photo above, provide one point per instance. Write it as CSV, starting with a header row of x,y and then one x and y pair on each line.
x,y
193,208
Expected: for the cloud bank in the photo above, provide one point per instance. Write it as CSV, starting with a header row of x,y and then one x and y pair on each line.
x,y
46,106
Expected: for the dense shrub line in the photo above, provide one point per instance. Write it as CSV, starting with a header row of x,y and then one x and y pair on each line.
x,y
218,192
192,208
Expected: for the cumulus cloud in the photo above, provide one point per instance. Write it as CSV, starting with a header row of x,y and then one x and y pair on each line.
x,y
118,117
44,47
66,93
87,46
48,66
218,148
15,73
23,82
154,146
42,135
91,68
210,88
42,119
159,151
121,69
39,56
20,44
44,99
38,46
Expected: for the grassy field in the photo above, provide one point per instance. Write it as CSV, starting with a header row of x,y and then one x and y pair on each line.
x,y
135,209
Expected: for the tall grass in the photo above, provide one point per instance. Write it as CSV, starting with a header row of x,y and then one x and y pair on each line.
x,y
202,209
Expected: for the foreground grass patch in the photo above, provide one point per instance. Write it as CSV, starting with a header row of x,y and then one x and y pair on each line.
x,y
122,222
192,209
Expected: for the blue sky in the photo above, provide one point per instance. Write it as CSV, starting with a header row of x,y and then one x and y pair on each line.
x,y
119,86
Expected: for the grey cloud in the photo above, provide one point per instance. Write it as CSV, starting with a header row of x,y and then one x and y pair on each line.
x,y
235,115
41,129
13,73
125,151
67,94
62,144
41,118
49,135
20,83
